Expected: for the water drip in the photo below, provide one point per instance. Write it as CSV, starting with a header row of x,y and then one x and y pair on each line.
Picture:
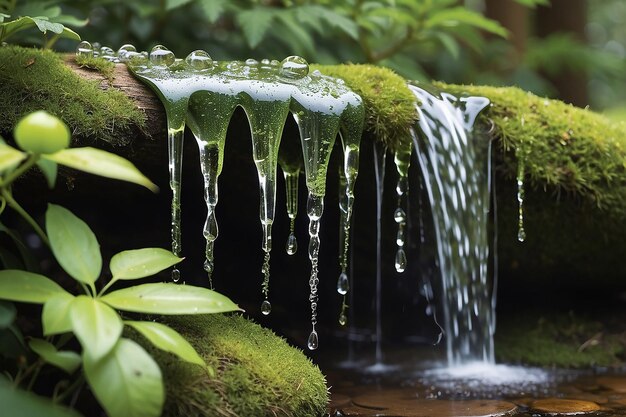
x,y
380,156
402,160
291,187
521,172
454,165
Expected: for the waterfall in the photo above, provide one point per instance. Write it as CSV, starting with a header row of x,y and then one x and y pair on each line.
x,y
455,168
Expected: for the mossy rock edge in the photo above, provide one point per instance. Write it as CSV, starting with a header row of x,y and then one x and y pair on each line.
x,y
255,373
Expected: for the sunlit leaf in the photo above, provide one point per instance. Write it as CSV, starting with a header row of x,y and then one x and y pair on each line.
x,y
167,339
74,245
64,359
55,316
173,4
140,263
27,287
169,298
96,325
49,170
7,314
127,382
10,157
15,402
99,162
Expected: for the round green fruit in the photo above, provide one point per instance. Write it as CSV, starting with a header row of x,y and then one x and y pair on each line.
x,y
41,132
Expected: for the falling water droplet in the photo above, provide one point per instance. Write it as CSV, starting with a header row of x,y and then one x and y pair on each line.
x,y
399,215
342,284
175,275
343,319
84,49
313,341
400,260
294,67
521,233
266,307
161,56
292,244
199,60
208,266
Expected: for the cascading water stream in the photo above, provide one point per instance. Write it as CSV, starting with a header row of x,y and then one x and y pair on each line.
x,y
454,164
380,157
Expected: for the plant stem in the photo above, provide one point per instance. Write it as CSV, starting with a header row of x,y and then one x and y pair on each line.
x,y
73,387
30,162
107,286
15,206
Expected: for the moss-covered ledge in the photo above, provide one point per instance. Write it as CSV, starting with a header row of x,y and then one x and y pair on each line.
x,y
255,372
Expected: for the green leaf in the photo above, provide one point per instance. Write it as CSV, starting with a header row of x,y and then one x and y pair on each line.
x,y
99,162
74,245
10,157
49,170
42,23
127,382
456,16
28,258
96,325
27,287
213,9
18,403
7,314
140,263
169,298
255,23
167,339
55,317
67,360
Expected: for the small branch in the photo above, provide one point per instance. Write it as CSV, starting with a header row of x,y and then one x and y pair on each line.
x,y
30,162
19,210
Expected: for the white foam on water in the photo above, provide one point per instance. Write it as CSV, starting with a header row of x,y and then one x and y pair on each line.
x,y
487,374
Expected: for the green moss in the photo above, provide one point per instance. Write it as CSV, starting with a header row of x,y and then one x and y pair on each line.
x,y
256,372
32,79
389,104
560,340
567,150
104,67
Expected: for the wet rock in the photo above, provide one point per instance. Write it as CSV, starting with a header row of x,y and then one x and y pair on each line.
x,y
563,407
339,401
614,383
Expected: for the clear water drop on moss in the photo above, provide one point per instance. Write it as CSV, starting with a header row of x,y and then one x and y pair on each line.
x,y
84,49
294,67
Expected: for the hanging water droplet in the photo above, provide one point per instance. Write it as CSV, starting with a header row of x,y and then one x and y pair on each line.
x,y
521,233
266,307
313,341
208,266
199,60
400,260
399,215
343,319
292,244
175,275
342,284
161,56
294,67
84,49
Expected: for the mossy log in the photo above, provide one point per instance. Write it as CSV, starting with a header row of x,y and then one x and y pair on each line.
x,y
575,159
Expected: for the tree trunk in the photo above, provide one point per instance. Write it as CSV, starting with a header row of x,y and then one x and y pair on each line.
x,y
512,16
566,16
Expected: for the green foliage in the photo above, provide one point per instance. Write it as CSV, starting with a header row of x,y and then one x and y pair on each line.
x,y
18,403
44,15
123,376
38,80
256,372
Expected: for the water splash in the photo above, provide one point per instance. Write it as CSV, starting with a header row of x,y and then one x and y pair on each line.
x,y
454,165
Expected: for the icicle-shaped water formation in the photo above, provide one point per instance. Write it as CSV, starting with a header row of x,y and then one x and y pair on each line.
x,y
380,158
291,189
455,168
402,159
205,93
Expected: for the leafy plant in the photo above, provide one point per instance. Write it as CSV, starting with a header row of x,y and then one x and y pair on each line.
x,y
122,375
45,15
